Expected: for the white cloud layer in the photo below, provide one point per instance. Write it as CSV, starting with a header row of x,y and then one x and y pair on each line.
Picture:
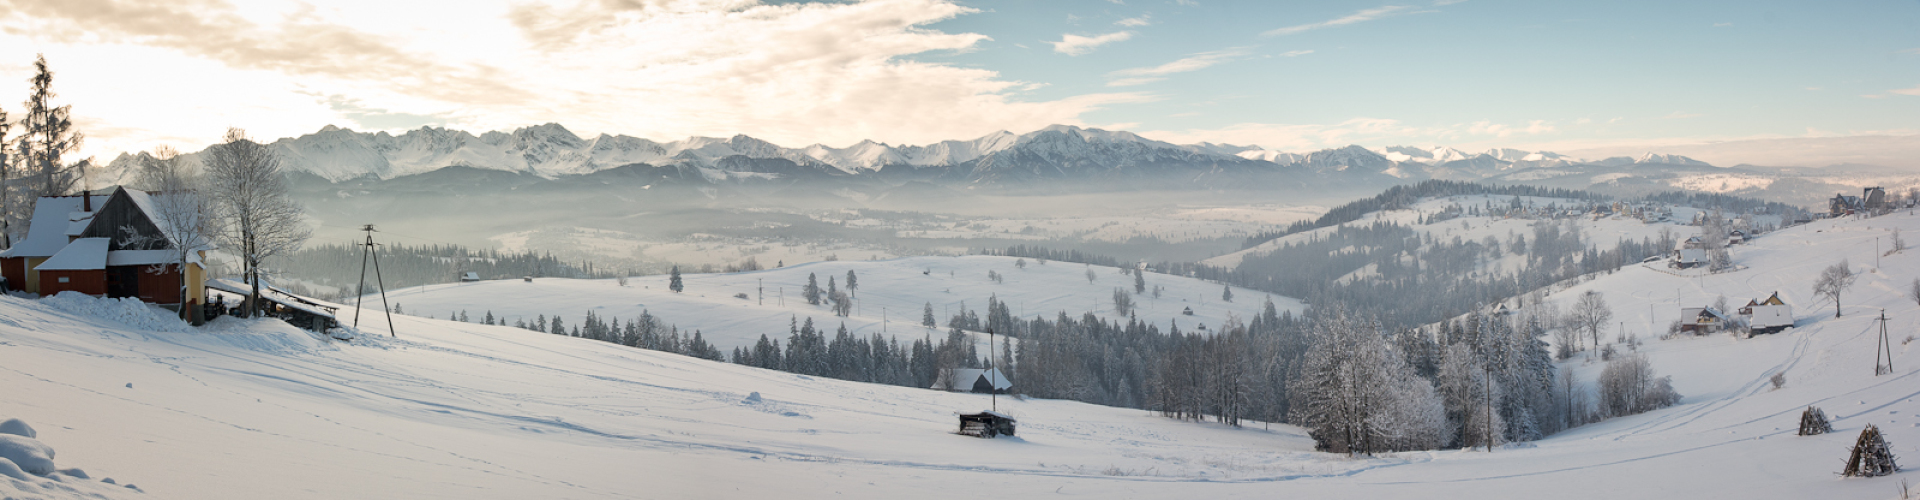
x,y
1195,62
1357,17
1074,45
140,73
1366,131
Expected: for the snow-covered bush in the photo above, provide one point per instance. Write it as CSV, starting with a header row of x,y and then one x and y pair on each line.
x,y
1628,386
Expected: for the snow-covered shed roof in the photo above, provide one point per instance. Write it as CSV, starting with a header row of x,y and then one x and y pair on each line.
x,y
52,218
82,255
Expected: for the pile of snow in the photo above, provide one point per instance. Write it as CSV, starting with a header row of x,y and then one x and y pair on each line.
x,y
27,464
126,310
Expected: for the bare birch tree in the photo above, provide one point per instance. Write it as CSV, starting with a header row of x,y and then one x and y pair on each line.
x,y
1832,281
182,208
1590,315
250,191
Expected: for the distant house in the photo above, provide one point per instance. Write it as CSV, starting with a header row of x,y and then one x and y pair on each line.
x,y
1736,237
974,380
1842,204
1689,258
1693,243
1769,315
108,246
470,276
1873,197
1701,320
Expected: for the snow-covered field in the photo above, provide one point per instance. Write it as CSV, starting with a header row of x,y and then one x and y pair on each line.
x,y
892,297
256,409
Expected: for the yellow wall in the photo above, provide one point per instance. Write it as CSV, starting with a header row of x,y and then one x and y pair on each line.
x,y
33,277
197,281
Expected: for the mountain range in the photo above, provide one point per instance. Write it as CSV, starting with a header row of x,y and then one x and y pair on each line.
x,y
1055,153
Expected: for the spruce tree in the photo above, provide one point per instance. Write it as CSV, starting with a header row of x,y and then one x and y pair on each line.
x,y
1139,282
853,284
926,317
1226,293
812,290
673,281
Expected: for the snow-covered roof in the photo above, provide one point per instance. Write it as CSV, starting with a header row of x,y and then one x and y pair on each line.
x,y
52,218
964,378
1692,255
83,254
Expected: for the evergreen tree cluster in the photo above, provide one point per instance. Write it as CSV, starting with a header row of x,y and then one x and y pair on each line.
x,y
1402,197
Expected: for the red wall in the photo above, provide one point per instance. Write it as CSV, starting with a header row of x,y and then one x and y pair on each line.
x,y
163,288
90,282
15,269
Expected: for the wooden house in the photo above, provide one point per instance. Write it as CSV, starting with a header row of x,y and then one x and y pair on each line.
x,y
1769,315
974,380
111,246
1701,320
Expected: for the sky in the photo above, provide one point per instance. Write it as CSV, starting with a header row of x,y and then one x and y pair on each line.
x,y
1293,76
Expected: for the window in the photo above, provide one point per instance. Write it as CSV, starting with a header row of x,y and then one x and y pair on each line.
x,y
63,279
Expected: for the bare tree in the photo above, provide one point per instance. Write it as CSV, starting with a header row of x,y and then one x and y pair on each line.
x,y
1590,315
181,208
1834,280
262,220
1915,292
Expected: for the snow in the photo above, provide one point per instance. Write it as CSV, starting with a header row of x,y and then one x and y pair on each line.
x,y
17,427
891,297
81,254
255,408
27,453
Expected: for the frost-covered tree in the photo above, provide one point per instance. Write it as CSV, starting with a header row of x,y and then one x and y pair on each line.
x,y
811,291
250,190
1833,281
1357,396
48,135
181,205
1139,282
853,284
1122,302
673,280
1226,293
1914,292
926,316
1091,275
1628,385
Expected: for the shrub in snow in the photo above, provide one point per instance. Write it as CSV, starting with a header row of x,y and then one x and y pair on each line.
x,y
1871,456
1814,422
27,453
1628,386
17,427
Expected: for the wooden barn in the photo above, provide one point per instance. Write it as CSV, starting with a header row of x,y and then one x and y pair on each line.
x,y
987,381
109,246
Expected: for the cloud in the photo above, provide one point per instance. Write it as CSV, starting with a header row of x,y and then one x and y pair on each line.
x,y
1443,3
1357,17
1363,130
1679,115
1295,53
1195,62
1722,25
1912,91
1915,50
789,72
1074,45
1134,22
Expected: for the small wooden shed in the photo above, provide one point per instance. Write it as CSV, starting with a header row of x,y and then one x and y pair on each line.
x,y
986,424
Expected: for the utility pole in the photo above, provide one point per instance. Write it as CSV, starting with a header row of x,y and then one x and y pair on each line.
x,y
1884,348
762,294
371,251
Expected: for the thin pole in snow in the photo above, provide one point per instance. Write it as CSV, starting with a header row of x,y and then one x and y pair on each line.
x,y
370,250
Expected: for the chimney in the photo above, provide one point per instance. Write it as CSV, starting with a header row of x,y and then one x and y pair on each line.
x,y
86,200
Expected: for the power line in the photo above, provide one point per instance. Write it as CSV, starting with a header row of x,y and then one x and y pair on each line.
x,y
371,251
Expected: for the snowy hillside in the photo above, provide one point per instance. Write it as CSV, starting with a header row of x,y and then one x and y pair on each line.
x,y
252,409
892,296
